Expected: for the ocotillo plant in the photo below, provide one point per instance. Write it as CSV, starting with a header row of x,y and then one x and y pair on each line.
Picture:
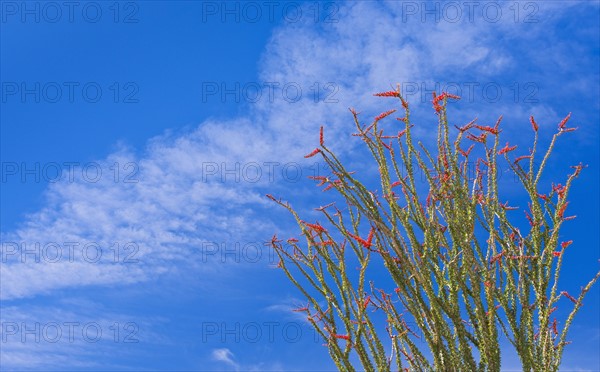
x,y
464,272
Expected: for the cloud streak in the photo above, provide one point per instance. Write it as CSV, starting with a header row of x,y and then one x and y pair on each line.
x,y
175,205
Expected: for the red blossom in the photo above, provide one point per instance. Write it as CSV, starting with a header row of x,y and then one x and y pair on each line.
x,y
274,239
563,122
506,149
435,101
529,218
466,153
556,254
496,257
364,243
466,127
567,295
560,190
533,123
487,129
316,227
443,96
327,242
292,240
404,103
480,198
366,302
301,309
343,337
522,157
578,169
561,211
313,153
391,93
370,236
384,114
497,124
322,179
332,185
397,183
566,244
481,138
321,142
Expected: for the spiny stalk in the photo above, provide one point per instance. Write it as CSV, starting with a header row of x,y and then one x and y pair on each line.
x,y
464,274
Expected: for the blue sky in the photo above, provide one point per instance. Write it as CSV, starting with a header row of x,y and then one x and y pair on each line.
x,y
169,121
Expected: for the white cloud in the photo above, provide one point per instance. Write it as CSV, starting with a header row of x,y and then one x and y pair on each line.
x,y
226,356
175,206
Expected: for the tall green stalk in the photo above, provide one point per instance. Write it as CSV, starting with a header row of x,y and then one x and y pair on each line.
x,y
464,274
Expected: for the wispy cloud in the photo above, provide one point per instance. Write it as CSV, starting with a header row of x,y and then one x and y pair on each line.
x,y
226,356
179,201
190,185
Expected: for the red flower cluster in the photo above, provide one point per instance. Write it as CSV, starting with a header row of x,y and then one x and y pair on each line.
x,y
466,153
563,122
561,211
391,93
566,244
560,190
316,227
321,142
522,157
365,243
384,114
506,149
533,123
313,153
567,295
441,97
302,309
480,138
487,129
343,337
